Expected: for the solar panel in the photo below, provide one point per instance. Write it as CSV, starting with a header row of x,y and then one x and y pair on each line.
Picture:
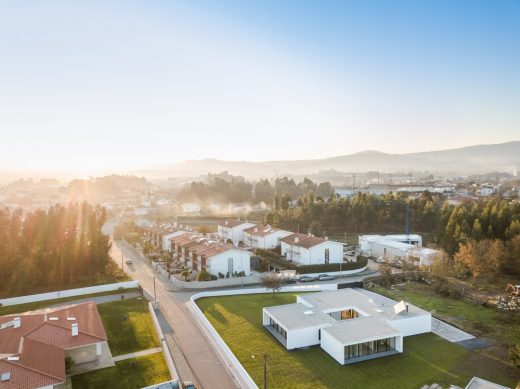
x,y
400,307
5,377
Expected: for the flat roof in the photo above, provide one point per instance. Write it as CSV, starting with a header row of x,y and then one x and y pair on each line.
x,y
293,316
480,383
359,329
312,310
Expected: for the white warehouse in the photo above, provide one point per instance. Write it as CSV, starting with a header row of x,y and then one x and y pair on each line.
x,y
346,323
397,248
311,250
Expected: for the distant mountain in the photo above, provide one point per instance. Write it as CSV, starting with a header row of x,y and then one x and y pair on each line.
x,y
473,159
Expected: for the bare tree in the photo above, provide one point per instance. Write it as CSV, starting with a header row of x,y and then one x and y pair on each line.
x,y
271,281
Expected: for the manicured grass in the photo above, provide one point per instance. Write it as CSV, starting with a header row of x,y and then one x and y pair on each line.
x,y
44,304
128,374
128,325
427,358
502,326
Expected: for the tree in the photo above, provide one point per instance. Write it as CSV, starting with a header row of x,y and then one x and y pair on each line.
x,y
385,272
185,273
271,281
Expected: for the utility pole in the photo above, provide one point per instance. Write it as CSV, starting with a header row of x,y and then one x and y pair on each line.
x,y
154,294
122,256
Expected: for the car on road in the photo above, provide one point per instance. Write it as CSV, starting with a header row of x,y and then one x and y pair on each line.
x,y
290,280
325,277
129,261
307,279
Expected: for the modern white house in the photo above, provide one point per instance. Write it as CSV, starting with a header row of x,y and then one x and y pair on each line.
x,y
347,324
397,248
310,250
233,230
264,237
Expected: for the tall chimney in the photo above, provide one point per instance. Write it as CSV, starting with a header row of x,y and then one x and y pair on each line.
x,y
296,240
17,323
75,329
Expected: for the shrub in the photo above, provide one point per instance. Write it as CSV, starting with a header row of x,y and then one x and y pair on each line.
x,y
514,355
69,364
203,276
220,275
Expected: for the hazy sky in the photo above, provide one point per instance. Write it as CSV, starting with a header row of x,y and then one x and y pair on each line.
x,y
100,85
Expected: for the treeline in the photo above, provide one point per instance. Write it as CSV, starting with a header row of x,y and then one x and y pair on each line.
x,y
52,250
238,190
451,225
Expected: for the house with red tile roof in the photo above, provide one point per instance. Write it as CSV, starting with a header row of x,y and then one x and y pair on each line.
x,y
264,237
34,345
310,250
233,230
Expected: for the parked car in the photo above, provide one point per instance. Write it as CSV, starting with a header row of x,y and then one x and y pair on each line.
x,y
325,277
307,279
188,385
290,280
129,261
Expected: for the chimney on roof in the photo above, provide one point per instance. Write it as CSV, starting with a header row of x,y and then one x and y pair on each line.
x,y
75,330
296,240
17,322
326,238
256,229
226,223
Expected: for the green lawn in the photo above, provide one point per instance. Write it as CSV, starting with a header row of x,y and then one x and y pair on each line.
x,y
44,304
426,359
128,374
128,325
476,319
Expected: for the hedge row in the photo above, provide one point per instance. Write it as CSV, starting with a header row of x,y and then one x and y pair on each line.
x,y
275,259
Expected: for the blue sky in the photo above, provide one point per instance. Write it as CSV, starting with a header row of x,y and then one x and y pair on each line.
x,y
107,85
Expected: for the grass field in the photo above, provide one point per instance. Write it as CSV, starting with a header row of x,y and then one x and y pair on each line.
x,y
128,325
426,359
476,319
128,374
43,304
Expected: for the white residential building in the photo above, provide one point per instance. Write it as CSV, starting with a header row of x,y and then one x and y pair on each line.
x,y
162,234
233,230
347,324
264,237
310,250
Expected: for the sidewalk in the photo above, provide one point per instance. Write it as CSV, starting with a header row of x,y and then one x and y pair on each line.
x,y
137,354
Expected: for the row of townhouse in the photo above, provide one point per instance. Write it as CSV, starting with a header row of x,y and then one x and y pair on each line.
x,y
300,248
199,253
160,235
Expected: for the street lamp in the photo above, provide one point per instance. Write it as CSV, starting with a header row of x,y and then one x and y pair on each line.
x,y
265,369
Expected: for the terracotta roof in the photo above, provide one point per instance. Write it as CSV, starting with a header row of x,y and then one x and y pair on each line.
x,y
261,230
219,250
302,240
231,223
41,341
163,229
23,377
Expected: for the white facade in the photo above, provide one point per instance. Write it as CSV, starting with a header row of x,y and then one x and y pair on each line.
x,y
260,237
230,261
347,324
325,252
397,248
233,230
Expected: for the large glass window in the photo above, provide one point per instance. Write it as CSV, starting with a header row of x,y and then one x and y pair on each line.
x,y
369,348
278,328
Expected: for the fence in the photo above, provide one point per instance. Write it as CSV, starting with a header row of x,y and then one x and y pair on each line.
x,y
166,351
221,282
68,293
238,371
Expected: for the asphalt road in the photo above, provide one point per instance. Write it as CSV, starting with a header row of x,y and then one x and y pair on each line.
x,y
207,368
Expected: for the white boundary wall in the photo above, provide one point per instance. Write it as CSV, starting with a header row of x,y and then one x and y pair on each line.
x,y
166,351
335,273
68,293
227,356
